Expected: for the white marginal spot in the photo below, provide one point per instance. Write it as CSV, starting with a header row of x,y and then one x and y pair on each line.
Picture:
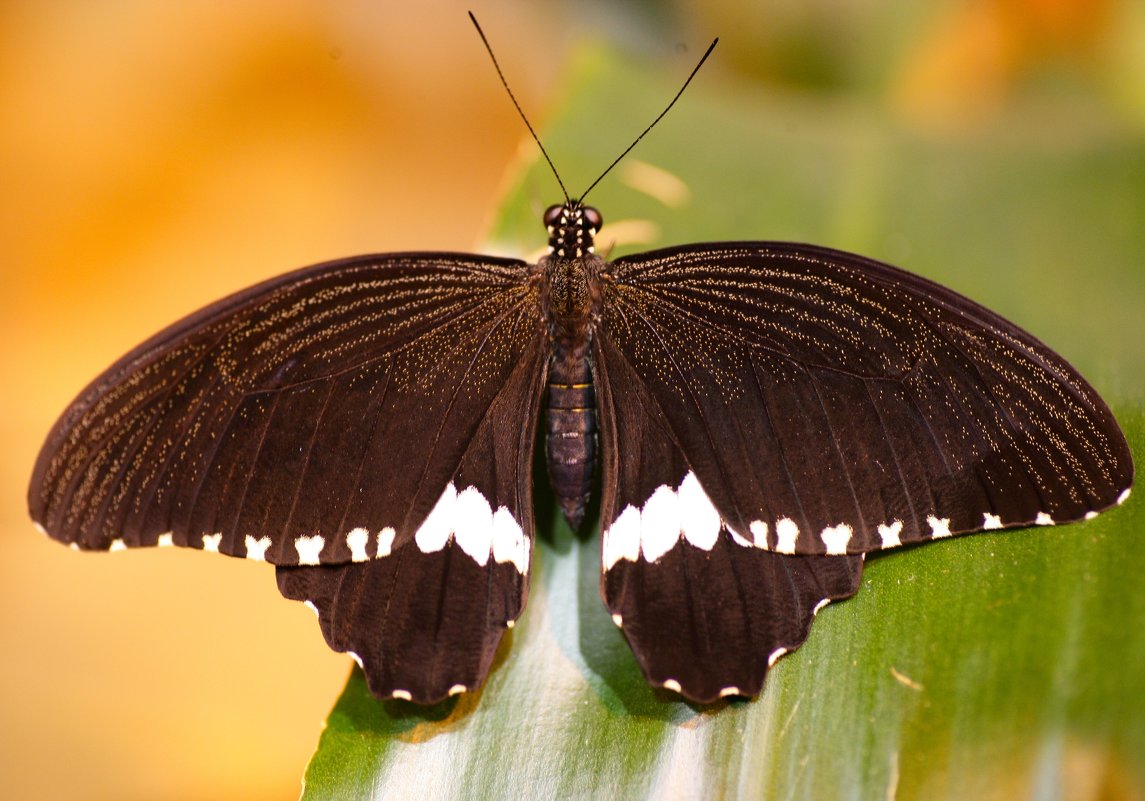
x,y
786,532
385,541
618,620
836,538
726,691
699,520
356,540
117,545
457,689
759,533
75,546
473,524
404,695
890,534
1090,515
166,540
819,606
990,521
40,528
309,548
1043,519
434,531
671,684
659,523
1123,497
738,540
357,659
939,526
310,605
211,542
509,542
622,539
256,549
510,623
774,656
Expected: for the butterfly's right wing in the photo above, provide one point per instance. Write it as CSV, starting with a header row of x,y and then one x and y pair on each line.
x,y
775,410
706,614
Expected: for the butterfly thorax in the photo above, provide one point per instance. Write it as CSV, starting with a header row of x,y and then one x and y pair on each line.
x,y
571,303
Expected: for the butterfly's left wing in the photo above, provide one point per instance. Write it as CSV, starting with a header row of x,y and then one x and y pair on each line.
x,y
365,424
426,621
815,404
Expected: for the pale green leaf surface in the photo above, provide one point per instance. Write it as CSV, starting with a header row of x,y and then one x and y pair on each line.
x,y
1007,665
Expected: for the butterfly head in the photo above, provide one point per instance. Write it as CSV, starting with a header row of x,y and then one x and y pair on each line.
x,y
572,228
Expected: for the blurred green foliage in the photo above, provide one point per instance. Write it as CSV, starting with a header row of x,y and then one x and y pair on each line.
x,y
993,666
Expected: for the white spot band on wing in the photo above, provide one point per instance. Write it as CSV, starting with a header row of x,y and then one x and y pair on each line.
x,y
467,517
836,538
256,549
434,531
890,533
939,526
786,532
309,549
356,540
622,538
659,523
759,533
699,520
509,541
473,524
667,516
385,541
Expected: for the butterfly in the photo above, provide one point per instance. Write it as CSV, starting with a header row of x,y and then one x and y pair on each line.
x,y
761,416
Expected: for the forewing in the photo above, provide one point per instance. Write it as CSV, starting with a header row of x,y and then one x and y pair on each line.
x,y
705,610
299,421
830,404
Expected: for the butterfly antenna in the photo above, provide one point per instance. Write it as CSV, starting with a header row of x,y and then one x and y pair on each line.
x,y
512,97
695,69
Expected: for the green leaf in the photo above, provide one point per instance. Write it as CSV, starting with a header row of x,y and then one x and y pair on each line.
x,y
994,666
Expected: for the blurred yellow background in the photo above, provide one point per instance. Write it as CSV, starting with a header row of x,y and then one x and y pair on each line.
x,y
154,157
157,156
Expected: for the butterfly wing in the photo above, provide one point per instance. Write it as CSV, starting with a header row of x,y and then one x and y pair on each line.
x,y
425,621
843,405
319,419
826,405
704,611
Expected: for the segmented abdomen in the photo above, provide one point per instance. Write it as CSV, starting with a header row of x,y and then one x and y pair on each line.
x,y
570,434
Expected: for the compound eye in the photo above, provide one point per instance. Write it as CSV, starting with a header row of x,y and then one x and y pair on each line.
x,y
593,218
552,215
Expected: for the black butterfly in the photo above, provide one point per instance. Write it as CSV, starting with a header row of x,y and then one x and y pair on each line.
x,y
766,413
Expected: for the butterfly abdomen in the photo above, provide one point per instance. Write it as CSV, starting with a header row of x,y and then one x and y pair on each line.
x,y
570,432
